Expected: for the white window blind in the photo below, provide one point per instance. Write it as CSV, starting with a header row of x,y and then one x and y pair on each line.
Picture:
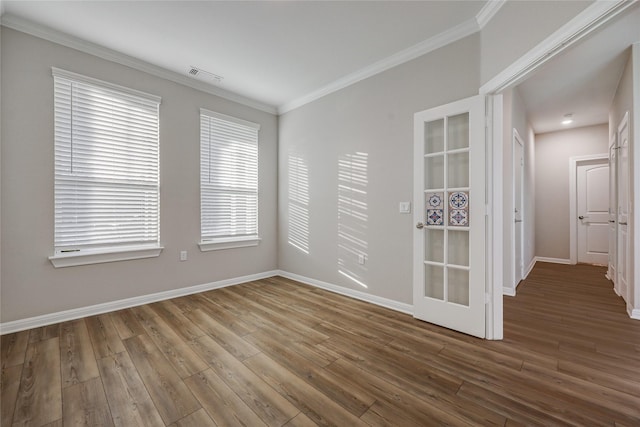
x,y
106,165
228,178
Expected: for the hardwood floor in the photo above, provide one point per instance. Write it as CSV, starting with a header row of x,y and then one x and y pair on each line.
x,y
278,353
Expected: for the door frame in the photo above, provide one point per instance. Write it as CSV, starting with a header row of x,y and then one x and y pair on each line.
x,y
516,139
633,307
585,23
574,162
613,210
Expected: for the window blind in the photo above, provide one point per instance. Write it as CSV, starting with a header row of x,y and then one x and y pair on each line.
x,y
106,164
228,177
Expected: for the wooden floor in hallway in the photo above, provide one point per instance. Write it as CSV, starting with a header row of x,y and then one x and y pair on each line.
x,y
278,353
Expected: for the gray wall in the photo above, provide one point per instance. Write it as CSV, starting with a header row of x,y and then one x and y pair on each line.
x,y
518,27
553,151
369,123
30,284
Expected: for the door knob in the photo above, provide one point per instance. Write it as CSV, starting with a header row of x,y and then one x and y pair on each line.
x,y
580,217
420,225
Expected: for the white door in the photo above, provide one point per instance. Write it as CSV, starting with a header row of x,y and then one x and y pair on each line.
x,y
613,203
449,196
592,188
623,209
518,179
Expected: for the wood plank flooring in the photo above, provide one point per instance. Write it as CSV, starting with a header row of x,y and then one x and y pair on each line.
x,y
278,353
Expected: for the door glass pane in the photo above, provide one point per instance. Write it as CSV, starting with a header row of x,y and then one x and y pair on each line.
x,y
458,247
458,204
434,172
458,286
434,245
434,281
458,132
458,170
434,136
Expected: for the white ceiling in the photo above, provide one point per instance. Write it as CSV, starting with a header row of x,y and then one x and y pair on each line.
x,y
275,52
281,54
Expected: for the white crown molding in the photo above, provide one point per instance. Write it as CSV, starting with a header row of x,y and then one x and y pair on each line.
x,y
583,24
373,299
92,310
488,11
446,37
67,40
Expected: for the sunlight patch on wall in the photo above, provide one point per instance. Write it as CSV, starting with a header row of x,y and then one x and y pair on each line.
x,y
352,216
298,230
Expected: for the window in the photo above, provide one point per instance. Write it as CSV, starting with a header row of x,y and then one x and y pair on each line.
x,y
228,182
106,172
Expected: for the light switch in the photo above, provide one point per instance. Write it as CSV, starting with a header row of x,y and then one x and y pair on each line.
x,y
183,255
405,207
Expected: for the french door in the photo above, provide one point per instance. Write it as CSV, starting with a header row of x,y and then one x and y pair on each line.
x,y
449,196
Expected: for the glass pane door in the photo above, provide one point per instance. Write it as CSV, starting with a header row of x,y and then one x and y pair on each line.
x,y
446,205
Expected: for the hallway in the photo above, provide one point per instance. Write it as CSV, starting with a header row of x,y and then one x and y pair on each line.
x,y
571,321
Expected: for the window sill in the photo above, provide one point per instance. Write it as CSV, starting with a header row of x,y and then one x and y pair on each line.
x,y
97,256
228,243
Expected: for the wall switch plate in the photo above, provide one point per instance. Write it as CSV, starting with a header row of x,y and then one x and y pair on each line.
x,y
405,207
360,259
183,255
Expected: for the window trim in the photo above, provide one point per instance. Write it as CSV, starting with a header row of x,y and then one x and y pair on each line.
x,y
229,242
94,255
58,72
101,255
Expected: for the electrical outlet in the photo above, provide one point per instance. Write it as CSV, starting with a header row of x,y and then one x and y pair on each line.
x,y
360,259
183,255
405,207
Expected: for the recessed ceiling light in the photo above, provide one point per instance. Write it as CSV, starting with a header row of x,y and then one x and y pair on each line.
x,y
568,119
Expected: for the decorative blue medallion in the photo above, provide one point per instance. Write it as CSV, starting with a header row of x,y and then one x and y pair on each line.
x,y
458,217
435,216
459,200
435,200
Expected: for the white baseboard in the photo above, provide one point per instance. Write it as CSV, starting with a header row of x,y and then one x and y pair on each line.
x,y
92,310
363,296
634,313
510,292
530,267
553,260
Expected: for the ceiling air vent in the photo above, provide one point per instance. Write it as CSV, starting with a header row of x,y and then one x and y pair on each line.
x,y
204,75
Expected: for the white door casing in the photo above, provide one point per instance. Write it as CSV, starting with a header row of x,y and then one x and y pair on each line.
x,y
449,200
622,258
518,207
592,190
613,203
